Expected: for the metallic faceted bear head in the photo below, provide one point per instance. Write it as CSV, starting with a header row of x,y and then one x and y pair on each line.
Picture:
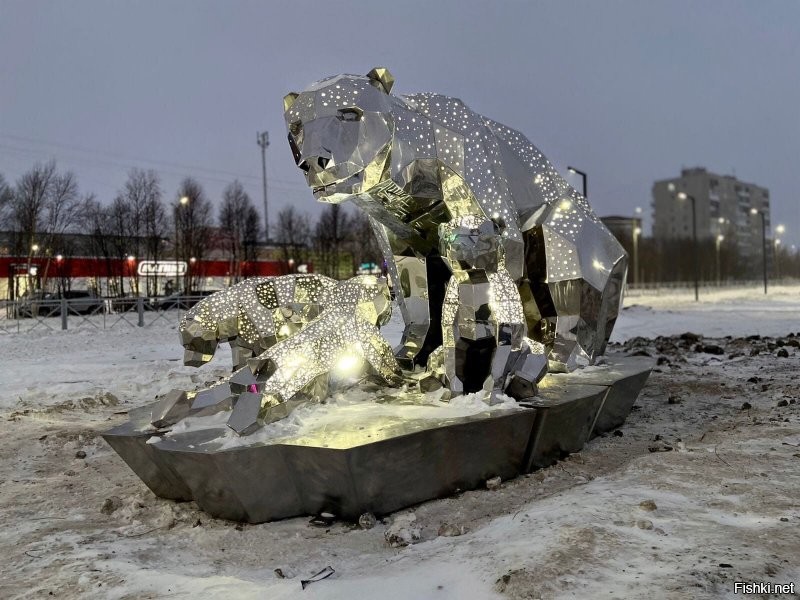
x,y
341,133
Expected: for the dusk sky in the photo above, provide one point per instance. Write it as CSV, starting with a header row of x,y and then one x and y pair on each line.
x,y
629,91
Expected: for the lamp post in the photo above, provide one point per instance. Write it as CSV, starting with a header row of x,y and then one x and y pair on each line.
x,y
720,237
637,231
779,230
182,201
684,196
575,171
755,211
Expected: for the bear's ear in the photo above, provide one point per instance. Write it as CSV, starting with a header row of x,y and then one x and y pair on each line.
x,y
288,100
381,79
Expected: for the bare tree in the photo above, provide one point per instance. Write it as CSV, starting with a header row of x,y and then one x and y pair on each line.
x,y
28,206
239,225
330,233
292,233
147,218
42,209
96,221
192,228
6,197
362,243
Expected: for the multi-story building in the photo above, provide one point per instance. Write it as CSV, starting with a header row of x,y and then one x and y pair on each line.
x,y
725,208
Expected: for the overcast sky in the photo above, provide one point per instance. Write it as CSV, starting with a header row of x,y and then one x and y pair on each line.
x,y
628,91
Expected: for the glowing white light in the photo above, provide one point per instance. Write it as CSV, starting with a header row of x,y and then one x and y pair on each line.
x,y
348,364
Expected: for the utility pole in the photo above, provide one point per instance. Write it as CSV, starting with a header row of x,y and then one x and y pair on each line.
x,y
262,139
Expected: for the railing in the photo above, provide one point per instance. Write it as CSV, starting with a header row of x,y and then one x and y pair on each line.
x,y
101,313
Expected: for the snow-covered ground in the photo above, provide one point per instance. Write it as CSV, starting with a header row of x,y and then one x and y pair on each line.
x,y
719,312
624,518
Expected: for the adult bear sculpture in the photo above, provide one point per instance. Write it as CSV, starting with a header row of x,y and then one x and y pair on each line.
x,y
500,267
417,164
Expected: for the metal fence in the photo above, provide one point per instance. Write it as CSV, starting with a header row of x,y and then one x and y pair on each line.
x,y
101,313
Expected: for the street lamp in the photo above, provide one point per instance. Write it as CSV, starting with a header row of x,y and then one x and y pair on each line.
x,y
720,238
779,230
637,231
575,171
684,196
755,211
182,201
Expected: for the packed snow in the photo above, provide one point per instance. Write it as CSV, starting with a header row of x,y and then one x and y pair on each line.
x,y
697,490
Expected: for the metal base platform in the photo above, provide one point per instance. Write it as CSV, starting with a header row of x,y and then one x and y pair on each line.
x,y
380,465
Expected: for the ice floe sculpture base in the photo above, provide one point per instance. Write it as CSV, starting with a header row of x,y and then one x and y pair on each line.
x,y
340,470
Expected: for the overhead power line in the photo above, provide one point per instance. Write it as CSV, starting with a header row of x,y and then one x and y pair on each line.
x,y
166,166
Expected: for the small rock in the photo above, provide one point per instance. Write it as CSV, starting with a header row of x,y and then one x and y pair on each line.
x,y
726,565
70,473
713,349
493,483
785,519
793,343
662,360
639,352
754,352
689,336
618,433
367,521
660,446
746,406
674,400
783,402
648,505
110,505
402,531
448,530
80,454
644,524
782,353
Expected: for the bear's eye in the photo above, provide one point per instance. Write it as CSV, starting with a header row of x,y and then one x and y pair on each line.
x,y
352,113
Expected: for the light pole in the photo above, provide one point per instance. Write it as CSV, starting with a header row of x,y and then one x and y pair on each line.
x,y
779,230
637,231
720,237
575,171
262,139
755,211
182,201
695,258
